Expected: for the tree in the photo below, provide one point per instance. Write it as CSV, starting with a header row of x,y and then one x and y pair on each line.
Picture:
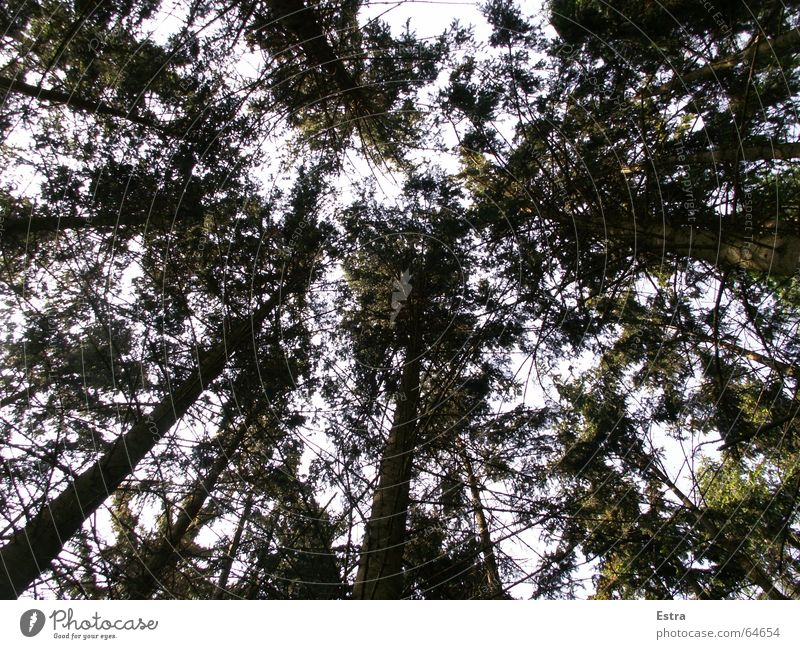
x,y
400,344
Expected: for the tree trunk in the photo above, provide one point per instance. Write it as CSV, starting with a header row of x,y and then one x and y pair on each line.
x,y
763,359
765,50
233,549
30,550
74,102
301,20
22,226
380,568
767,361
736,551
756,153
776,254
168,550
494,586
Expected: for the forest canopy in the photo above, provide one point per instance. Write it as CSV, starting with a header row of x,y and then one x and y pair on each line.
x,y
305,300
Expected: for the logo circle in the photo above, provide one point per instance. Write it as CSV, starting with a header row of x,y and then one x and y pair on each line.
x,y
31,622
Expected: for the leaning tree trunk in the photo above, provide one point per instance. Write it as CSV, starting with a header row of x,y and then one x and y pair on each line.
x,y
302,21
380,568
233,549
735,549
494,587
22,227
75,102
167,550
760,53
30,550
774,254
716,155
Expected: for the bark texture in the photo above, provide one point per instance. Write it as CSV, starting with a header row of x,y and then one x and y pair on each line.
x,y
380,569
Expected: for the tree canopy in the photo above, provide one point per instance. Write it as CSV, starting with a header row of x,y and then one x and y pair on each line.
x,y
306,301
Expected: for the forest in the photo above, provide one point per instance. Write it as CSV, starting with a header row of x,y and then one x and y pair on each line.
x,y
399,299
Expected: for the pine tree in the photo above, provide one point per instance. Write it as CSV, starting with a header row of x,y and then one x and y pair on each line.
x,y
261,345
